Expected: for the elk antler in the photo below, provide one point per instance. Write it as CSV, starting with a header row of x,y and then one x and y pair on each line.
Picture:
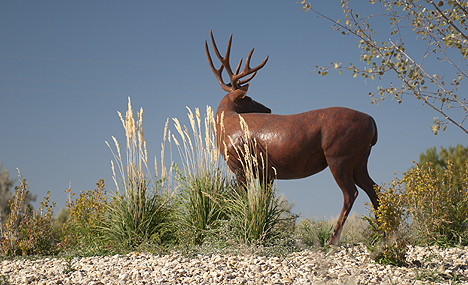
x,y
235,77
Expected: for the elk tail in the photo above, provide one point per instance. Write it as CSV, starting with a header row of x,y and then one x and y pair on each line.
x,y
374,139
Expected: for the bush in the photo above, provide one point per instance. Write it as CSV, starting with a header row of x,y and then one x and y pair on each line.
x,y
27,232
201,205
423,209
255,215
437,205
87,215
458,157
139,217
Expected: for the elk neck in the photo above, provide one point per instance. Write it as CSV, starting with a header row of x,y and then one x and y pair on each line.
x,y
228,105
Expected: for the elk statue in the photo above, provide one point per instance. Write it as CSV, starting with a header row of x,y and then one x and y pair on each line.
x,y
298,145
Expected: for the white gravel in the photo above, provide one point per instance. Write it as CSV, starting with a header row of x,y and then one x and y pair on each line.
x,y
340,266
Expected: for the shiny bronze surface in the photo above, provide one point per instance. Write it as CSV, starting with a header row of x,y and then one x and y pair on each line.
x,y
297,145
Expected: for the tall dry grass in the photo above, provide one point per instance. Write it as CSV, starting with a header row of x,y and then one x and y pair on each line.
x,y
141,207
256,211
209,201
203,178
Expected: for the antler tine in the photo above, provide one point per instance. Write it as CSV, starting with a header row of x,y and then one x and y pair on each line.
x,y
217,72
236,76
247,70
248,79
238,66
224,60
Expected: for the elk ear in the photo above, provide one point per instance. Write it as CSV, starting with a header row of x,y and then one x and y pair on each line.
x,y
238,94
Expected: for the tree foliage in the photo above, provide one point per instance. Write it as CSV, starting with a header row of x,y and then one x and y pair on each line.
x,y
458,156
5,195
432,70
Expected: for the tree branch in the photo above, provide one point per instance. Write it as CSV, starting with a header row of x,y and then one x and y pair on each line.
x,y
448,20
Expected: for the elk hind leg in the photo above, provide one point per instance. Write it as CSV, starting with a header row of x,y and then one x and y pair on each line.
x,y
343,177
365,182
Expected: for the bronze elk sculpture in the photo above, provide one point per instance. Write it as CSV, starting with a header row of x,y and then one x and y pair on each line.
x,y
298,145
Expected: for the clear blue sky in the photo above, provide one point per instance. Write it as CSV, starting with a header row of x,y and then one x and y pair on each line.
x,y
67,67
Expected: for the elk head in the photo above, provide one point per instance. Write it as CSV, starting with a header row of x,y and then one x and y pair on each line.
x,y
237,88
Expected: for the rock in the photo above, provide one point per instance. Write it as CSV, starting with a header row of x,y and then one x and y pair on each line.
x,y
342,265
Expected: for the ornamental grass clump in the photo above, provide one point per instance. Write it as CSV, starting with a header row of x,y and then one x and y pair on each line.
x,y
141,208
203,179
257,214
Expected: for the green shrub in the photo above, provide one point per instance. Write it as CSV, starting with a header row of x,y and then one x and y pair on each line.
x,y
438,205
423,209
201,205
255,215
87,215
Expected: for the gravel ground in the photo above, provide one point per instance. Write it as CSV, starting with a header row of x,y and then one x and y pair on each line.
x,y
340,266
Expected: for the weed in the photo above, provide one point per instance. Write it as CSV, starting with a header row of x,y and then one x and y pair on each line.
x,y
315,233
69,266
353,229
280,247
425,274
27,232
4,280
